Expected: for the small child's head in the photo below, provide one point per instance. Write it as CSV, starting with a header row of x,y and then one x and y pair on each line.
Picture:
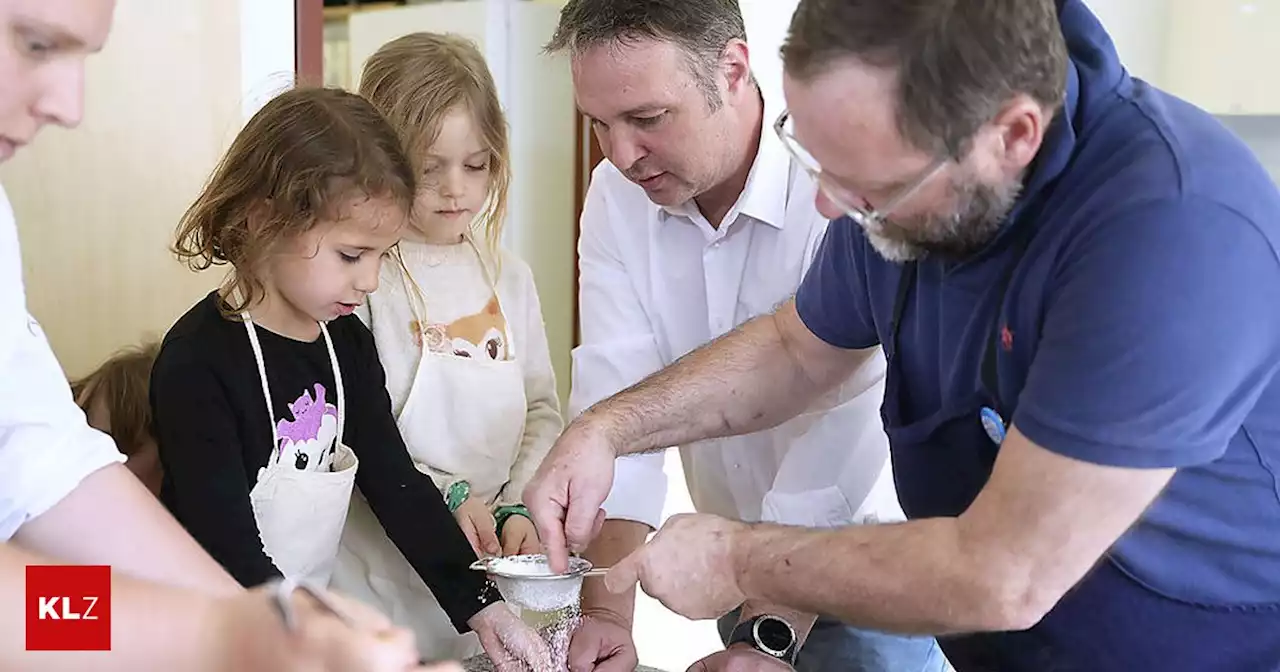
x,y
115,399
439,95
311,194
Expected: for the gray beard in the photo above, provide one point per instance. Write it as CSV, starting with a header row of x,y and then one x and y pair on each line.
x,y
983,209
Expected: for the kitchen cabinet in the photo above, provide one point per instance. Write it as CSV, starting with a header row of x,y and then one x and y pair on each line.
x,y
1222,55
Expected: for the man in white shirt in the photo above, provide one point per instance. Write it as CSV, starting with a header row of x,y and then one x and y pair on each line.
x,y
699,221
65,497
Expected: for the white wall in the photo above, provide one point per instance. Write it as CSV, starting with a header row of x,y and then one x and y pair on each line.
x,y
540,108
767,22
266,51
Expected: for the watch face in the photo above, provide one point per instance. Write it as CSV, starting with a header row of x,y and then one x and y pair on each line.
x,y
774,634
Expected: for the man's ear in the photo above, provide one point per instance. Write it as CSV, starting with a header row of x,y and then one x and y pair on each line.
x,y
735,63
1018,131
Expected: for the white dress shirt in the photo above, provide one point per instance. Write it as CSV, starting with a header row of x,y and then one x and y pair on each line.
x,y
46,445
658,282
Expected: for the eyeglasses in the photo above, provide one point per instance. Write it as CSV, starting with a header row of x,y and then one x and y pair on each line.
x,y
843,197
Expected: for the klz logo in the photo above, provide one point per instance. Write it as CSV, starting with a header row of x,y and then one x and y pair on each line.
x,y
68,608
49,609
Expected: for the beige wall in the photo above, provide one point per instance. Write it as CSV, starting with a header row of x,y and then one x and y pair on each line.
x,y
97,207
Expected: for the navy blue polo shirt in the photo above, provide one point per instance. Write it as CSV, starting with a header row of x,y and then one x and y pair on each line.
x,y
1144,320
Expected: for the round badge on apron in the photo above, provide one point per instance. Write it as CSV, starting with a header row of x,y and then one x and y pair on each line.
x,y
463,419
992,424
301,512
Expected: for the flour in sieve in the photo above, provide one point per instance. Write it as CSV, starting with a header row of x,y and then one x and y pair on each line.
x,y
511,574
540,595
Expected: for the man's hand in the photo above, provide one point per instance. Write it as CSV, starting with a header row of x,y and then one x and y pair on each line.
x,y
362,640
739,658
602,643
519,537
478,525
565,495
688,566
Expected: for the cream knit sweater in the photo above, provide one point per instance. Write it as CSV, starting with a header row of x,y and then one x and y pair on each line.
x,y
455,285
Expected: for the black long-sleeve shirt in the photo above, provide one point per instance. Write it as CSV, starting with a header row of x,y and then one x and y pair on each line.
x,y
207,405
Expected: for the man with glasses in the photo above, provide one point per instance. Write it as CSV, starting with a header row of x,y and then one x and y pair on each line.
x,y
699,221
1076,279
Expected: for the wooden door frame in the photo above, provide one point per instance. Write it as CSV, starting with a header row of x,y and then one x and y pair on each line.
x,y
586,156
308,59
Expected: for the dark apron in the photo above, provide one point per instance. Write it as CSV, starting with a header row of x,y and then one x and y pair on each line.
x,y
1109,621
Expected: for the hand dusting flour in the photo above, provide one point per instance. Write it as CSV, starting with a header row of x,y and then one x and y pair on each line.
x,y
526,581
557,634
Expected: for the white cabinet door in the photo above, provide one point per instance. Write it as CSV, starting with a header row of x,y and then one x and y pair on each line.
x,y
1222,55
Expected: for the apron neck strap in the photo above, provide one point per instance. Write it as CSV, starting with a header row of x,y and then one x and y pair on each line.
x,y
1020,239
266,387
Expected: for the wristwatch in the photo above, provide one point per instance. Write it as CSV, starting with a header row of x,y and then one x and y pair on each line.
x,y
769,635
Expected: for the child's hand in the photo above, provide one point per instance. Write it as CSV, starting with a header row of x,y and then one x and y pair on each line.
x,y
519,537
509,642
477,523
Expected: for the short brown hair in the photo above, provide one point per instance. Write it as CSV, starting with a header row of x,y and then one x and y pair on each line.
x,y
958,61
702,28
417,79
304,155
123,383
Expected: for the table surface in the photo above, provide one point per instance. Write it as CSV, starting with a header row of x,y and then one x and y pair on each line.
x,y
481,664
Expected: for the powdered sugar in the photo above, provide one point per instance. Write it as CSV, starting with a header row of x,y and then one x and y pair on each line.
x,y
528,582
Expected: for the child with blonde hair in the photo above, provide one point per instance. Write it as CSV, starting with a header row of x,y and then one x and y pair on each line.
x,y
114,398
310,197
458,327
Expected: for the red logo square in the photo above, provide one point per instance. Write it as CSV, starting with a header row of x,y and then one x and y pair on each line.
x,y
68,608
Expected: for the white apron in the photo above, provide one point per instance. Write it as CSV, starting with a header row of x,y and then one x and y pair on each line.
x,y
300,512
463,419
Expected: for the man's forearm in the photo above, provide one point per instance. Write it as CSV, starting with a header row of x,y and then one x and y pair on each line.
x,y
742,382
914,577
617,539
85,528
153,627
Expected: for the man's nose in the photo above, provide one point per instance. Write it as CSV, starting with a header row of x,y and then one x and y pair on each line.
x,y
621,148
61,95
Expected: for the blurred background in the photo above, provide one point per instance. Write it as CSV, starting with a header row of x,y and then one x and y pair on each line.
x,y
97,208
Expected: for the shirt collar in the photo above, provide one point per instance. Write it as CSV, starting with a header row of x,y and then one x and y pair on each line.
x,y
1058,147
768,187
